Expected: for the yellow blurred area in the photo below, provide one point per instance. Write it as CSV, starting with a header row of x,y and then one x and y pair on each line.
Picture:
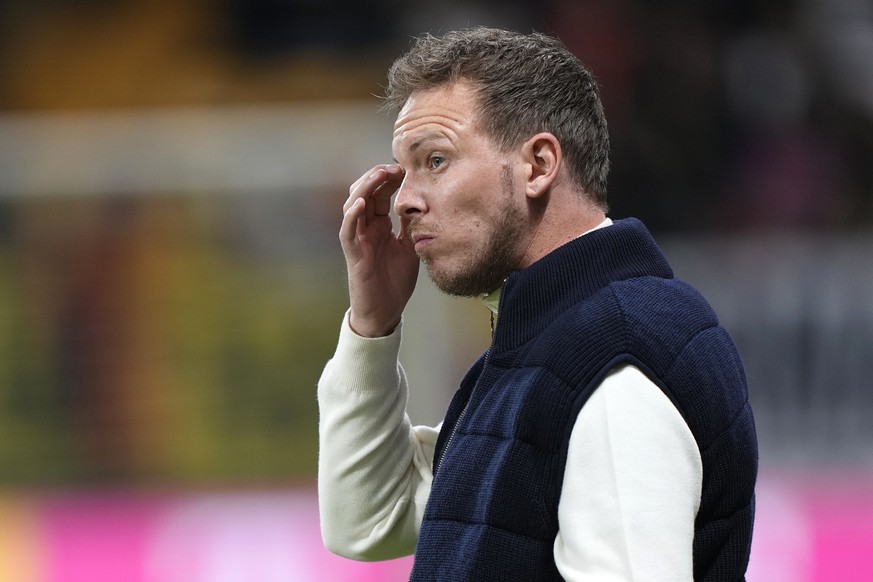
x,y
171,333
155,351
20,542
139,53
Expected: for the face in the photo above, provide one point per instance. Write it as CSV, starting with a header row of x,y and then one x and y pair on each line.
x,y
458,201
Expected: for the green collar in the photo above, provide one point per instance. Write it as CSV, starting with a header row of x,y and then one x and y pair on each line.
x,y
492,300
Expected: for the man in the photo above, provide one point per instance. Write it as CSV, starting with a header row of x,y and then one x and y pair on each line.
x,y
606,434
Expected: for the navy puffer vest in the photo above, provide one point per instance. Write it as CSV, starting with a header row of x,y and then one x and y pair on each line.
x,y
602,300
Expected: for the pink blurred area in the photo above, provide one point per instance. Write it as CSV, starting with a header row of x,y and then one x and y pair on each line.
x,y
813,527
209,537
809,528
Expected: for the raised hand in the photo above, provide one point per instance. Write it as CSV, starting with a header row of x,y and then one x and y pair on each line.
x,y
382,265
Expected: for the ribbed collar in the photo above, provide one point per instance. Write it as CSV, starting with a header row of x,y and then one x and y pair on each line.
x,y
492,300
532,297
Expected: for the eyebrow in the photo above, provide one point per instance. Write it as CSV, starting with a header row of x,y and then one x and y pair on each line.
x,y
424,139
430,136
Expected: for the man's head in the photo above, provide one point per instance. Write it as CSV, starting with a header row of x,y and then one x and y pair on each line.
x,y
462,202
524,84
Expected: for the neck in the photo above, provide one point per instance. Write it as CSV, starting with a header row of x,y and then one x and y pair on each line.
x,y
559,226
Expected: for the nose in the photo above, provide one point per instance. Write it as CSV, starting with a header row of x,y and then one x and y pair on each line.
x,y
409,201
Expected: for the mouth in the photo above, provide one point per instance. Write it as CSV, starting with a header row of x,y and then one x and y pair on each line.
x,y
421,240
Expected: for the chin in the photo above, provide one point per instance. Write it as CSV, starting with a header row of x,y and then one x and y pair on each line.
x,y
462,284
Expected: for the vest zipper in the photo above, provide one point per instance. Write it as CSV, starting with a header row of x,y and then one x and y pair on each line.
x,y
461,416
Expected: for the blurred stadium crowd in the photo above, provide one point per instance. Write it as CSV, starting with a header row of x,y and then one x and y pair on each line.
x,y
724,115
176,334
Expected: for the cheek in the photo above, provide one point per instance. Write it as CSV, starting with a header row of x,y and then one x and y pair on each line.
x,y
470,204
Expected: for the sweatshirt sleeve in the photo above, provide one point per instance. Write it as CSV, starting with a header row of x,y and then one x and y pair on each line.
x,y
374,467
631,488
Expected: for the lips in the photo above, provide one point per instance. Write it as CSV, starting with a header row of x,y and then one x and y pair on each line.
x,y
421,234
421,240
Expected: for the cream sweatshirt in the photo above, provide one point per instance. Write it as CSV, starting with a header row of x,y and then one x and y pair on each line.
x,y
631,486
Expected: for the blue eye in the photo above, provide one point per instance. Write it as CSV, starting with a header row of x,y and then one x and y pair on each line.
x,y
436,161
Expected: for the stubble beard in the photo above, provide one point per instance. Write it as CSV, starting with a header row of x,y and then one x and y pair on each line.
x,y
483,272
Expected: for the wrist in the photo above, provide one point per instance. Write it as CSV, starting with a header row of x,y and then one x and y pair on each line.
x,y
368,329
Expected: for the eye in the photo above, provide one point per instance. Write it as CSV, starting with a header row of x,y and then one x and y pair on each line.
x,y
435,161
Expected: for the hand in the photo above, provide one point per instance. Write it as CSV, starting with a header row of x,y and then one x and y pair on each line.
x,y
382,265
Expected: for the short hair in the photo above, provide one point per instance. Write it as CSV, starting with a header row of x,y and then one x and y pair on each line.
x,y
525,84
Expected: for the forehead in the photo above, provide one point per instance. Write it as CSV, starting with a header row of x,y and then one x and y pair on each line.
x,y
444,112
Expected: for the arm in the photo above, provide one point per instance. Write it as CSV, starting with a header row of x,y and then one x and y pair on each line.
x,y
374,468
631,487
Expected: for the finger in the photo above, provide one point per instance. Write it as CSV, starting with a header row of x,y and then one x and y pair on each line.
x,y
382,195
377,185
355,191
351,217
365,185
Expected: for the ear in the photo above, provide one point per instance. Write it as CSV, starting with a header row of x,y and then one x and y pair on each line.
x,y
543,159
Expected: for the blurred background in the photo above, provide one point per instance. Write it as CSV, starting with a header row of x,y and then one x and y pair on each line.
x,y
171,284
